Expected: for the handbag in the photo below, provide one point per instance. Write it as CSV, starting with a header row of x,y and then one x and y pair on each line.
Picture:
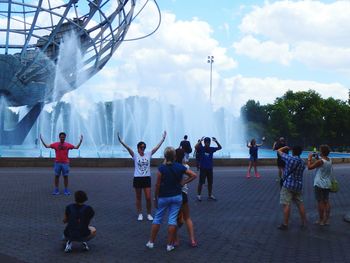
x,y
334,186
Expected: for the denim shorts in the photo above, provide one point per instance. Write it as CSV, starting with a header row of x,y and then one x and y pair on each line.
x,y
173,204
61,168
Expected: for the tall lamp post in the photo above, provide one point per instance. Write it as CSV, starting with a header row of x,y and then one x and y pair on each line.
x,y
211,61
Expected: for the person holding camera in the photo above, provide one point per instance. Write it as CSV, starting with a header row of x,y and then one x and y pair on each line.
x,y
77,216
184,213
253,158
281,142
292,184
206,165
197,156
322,182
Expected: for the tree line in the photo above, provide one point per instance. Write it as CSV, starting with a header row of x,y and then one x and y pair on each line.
x,y
303,118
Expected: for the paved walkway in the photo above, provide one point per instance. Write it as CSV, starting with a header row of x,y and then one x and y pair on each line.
x,y
239,227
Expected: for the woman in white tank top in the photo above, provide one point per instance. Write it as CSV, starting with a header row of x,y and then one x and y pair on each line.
x,y
322,182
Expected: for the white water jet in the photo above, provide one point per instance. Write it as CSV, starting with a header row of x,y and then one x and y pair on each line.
x,y
179,112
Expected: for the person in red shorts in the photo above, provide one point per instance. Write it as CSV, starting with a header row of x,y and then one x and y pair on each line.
x,y
61,161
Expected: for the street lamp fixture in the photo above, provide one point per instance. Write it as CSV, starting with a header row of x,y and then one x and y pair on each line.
x,y
211,61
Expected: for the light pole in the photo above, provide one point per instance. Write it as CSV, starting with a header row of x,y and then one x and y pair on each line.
x,y
211,61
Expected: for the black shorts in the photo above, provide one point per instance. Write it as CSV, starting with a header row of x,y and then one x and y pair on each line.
x,y
321,194
142,182
184,198
206,173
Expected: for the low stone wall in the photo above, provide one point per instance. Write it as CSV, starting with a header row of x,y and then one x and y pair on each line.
x,y
128,162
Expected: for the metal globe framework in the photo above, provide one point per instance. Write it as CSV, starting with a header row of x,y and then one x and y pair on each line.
x,y
31,34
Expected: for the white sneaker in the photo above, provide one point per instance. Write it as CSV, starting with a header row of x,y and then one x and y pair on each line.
x,y
85,246
68,247
199,198
149,217
150,245
169,248
140,217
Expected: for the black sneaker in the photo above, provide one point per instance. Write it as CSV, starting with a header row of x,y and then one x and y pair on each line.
x,y
282,227
85,246
213,198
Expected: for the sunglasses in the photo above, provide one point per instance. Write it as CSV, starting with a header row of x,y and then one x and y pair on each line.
x,y
142,147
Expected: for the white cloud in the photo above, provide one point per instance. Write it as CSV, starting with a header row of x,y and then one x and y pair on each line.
x,y
307,20
266,51
166,65
310,32
171,66
329,57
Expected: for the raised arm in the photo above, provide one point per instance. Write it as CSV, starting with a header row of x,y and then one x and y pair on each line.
x,y
312,165
78,145
260,144
282,150
217,143
159,144
42,140
131,152
198,144
248,145
273,146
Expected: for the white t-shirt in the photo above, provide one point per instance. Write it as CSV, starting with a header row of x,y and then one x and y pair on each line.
x,y
142,164
324,175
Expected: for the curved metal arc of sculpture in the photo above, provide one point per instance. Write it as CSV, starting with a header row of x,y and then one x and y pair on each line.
x,y
113,43
34,66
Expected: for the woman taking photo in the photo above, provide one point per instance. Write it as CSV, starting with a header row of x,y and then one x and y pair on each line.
x,y
184,212
322,182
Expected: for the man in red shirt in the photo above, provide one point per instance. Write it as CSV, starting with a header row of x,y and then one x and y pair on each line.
x,y
61,161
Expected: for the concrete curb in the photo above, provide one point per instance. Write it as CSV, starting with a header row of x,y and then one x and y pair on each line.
x,y
128,162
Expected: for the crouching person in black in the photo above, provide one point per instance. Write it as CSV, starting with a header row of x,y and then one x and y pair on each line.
x,y
77,217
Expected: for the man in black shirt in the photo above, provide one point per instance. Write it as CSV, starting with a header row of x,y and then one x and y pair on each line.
x,y
186,146
77,216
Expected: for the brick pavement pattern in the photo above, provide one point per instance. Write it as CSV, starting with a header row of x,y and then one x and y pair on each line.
x,y
239,227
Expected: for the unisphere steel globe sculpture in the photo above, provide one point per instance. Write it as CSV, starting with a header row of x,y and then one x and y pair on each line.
x,y
31,34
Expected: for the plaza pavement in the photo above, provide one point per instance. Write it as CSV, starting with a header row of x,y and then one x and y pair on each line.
x,y
239,227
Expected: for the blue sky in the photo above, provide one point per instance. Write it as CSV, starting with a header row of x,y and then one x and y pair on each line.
x,y
261,48
230,13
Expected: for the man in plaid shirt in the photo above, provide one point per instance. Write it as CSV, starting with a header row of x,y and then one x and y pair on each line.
x,y
292,184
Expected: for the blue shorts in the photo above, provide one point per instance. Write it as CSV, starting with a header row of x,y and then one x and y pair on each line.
x,y
173,203
253,158
61,168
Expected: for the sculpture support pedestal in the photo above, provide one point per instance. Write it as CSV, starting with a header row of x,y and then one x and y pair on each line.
x,y
17,135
